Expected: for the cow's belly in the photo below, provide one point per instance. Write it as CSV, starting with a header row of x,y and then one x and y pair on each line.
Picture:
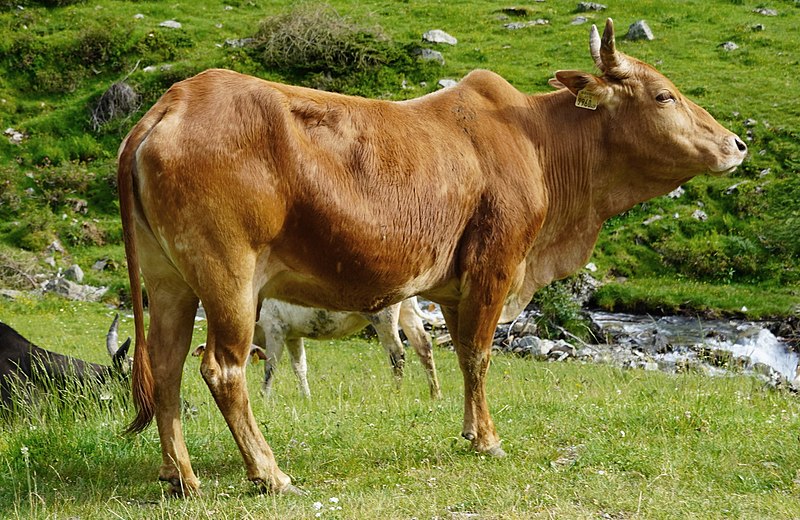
x,y
365,290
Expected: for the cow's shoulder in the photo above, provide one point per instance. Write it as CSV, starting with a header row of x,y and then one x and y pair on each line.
x,y
492,87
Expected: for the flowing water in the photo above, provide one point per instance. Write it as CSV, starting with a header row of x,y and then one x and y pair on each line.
x,y
670,340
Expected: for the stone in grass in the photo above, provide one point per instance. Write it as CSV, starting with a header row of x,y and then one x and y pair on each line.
x,y
639,31
590,6
439,36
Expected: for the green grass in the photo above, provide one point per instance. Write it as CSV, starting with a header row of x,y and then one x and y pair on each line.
x,y
583,441
56,62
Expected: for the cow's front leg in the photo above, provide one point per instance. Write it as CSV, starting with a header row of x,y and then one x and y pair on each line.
x,y
477,320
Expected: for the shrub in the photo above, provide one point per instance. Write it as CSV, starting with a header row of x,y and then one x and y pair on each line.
x,y
713,257
315,38
325,50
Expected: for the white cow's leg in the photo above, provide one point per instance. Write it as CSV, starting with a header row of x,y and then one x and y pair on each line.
x,y
420,340
385,323
297,352
172,311
230,333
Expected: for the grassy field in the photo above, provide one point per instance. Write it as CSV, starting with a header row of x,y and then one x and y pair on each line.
x,y
55,63
583,441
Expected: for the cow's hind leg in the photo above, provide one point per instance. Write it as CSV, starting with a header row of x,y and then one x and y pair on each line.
x,y
230,330
385,323
172,309
419,338
297,353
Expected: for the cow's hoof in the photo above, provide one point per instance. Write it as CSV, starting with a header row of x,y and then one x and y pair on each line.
x,y
496,451
179,488
288,489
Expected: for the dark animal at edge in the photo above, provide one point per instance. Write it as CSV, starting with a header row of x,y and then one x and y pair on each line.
x,y
23,364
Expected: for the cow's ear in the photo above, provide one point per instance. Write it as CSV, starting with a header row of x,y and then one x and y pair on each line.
x,y
576,81
553,82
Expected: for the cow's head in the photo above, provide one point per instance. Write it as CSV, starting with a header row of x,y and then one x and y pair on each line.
x,y
661,131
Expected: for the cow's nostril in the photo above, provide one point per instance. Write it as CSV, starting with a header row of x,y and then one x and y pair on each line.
x,y
740,144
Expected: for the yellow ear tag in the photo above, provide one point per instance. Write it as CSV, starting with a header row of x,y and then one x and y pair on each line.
x,y
586,100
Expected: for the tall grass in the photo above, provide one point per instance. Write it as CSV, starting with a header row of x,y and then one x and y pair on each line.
x,y
584,441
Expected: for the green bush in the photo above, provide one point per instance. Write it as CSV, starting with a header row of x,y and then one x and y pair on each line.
x,y
161,46
713,257
316,46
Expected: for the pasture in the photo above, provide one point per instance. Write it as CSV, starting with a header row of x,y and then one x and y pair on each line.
x,y
584,441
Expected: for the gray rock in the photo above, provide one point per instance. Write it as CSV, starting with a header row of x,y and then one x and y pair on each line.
x,y
523,25
639,31
446,82
11,294
654,218
431,55
439,36
590,6
170,24
74,273
239,43
700,215
729,46
766,12
578,20
676,193
74,291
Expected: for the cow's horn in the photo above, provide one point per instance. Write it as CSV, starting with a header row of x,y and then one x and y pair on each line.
x,y
112,341
594,48
616,64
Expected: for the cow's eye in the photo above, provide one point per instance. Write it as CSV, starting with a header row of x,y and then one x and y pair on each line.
x,y
665,97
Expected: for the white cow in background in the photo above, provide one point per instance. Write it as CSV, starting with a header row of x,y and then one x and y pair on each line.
x,y
281,323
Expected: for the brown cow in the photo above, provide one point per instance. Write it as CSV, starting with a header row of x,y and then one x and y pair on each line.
x,y
233,189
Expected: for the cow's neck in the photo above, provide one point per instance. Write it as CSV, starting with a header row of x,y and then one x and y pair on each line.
x,y
585,185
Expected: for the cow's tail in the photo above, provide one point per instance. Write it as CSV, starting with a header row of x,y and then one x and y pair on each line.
x,y
142,373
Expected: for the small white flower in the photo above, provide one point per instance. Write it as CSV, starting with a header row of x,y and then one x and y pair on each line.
x,y
334,500
317,505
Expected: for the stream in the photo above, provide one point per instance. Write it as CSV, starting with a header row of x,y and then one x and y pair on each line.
x,y
668,343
